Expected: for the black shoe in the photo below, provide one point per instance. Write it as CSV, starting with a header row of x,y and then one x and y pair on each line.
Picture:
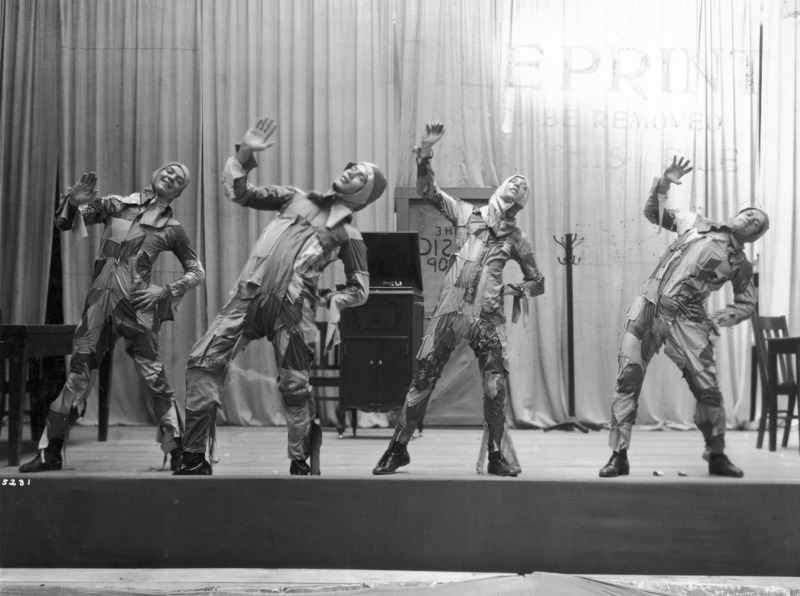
x,y
499,466
396,456
46,459
43,462
616,466
720,465
175,457
299,467
192,464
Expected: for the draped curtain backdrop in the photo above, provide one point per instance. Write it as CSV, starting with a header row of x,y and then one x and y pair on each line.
x,y
779,186
588,99
29,148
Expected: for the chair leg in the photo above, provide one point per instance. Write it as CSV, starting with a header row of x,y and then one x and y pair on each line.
x,y
772,396
773,419
753,381
39,405
762,422
16,395
789,415
797,402
341,420
104,389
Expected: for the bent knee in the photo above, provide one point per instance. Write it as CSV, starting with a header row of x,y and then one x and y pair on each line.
x,y
494,385
630,378
293,386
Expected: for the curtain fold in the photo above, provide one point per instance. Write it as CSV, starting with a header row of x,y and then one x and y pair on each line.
x,y
29,150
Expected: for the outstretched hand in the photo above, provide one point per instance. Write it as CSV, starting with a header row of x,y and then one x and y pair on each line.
x,y
434,131
83,192
676,170
257,137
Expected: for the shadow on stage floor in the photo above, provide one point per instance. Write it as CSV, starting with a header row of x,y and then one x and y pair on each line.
x,y
113,507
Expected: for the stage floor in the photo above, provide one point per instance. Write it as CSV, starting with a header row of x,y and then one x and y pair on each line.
x,y
115,507
440,453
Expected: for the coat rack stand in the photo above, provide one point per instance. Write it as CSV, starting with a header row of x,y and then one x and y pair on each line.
x,y
569,242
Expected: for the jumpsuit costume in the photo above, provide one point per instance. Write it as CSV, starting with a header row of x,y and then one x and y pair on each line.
x,y
470,306
670,311
137,230
275,297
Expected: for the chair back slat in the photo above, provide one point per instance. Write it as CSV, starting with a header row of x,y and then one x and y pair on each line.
x,y
770,328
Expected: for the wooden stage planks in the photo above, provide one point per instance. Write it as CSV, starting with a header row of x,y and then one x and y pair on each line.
x,y
113,507
440,452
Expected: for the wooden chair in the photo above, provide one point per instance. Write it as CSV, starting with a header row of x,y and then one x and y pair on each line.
x,y
23,349
778,374
324,376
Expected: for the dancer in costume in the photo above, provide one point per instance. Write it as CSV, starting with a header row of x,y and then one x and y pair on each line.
x,y
670,311
276,296
470,306
122,302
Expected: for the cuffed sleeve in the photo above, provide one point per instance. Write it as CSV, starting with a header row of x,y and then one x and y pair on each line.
x,y
240,191
69,217
533,281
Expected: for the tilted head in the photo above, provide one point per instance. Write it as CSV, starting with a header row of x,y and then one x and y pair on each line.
x,y
749,224
170,180
360,184
510,197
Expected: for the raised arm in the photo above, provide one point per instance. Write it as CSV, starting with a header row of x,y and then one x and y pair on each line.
x,y
256,139
452,209
655,210
234,176
81,205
